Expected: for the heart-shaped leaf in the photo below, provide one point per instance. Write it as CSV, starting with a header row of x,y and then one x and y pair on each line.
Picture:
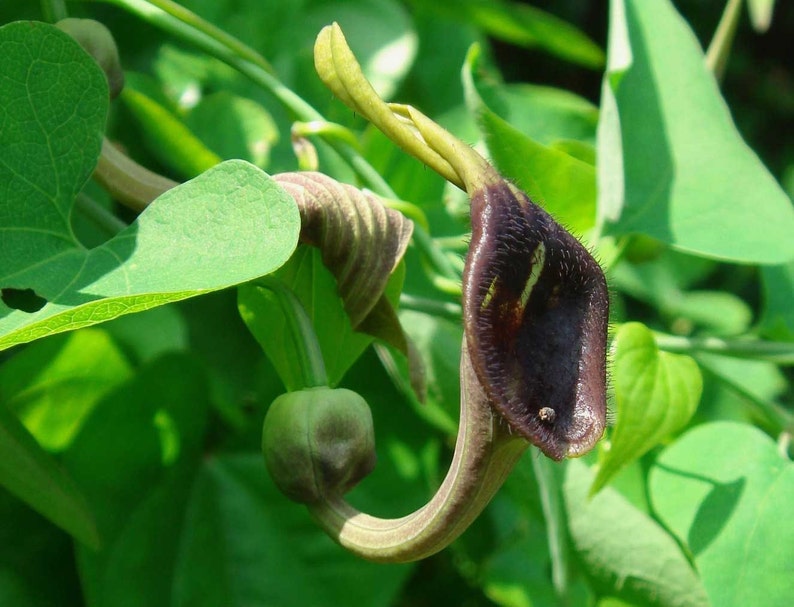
x,y
656,394
671,161
229,225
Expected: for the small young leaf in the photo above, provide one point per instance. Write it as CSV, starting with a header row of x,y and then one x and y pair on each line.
x,y
135,459
314,286
624,551
656,394
725,490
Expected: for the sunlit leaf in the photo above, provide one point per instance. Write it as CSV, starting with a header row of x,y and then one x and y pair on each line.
x,y
671,163
55,383
723,489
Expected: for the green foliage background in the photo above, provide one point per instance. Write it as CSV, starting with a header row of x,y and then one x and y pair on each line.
x,y
129,450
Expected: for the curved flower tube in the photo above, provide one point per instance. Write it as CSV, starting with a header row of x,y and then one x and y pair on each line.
x,y
535,318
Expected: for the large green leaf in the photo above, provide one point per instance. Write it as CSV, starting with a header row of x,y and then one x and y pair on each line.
x,y
55,101
237,515
656,393
229,225
671,162
623,550
725,490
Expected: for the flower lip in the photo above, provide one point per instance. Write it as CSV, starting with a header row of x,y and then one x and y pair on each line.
x,y
535,315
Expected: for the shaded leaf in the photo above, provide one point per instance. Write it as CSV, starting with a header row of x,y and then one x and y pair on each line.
x,y
723,488
54,384
238,512
528,26
625,552
135,458
34,477
778,316
663,282
36,559
167,135
656,393
671,162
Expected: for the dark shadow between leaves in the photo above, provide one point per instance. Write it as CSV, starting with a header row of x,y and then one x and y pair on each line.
x,y
715,510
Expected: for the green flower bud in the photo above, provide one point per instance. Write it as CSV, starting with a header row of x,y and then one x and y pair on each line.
x,y
98,42
318,442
